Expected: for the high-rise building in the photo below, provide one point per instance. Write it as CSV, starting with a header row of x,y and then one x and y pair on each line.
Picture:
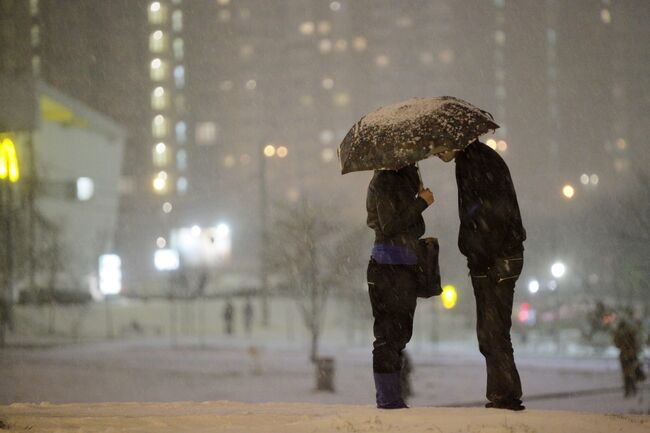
x,y
231,104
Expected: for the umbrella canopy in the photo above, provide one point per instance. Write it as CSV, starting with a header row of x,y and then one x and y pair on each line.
x,y
404,133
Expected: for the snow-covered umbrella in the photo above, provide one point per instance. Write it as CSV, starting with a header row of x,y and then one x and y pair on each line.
x,y
401,134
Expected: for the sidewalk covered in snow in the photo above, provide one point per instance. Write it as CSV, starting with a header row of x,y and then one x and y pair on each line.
x,y
226,416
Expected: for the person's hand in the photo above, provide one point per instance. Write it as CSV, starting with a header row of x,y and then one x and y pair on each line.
x,y
427,195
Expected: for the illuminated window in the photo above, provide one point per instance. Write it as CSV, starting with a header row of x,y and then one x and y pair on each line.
x,y
181,160
159,127
324,27
33,7
327,83
160,155
177,20
157,13
206,133
360,43
327,154
307,28
181,185
158,41
606,16
326,136
382,61
500,37
325,46
178,48
36,36
341,99
181,132
229,161
160,182
159,99
551,36
179,76
159,70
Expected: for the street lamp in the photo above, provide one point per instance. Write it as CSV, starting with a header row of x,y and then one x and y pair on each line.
x,y
568,191
558,269
533,286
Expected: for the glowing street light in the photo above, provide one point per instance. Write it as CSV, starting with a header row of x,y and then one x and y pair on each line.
x,y
558,269
282,151
568,191
269,150
449,297
533,286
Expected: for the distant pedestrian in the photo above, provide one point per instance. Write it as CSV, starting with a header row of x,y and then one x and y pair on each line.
x,y
626,339
248,316
228,316
491,237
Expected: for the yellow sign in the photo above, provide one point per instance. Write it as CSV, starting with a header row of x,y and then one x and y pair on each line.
x,y
8,160
449,297
54,111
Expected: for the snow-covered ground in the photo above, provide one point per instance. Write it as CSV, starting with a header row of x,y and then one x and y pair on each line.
x,y
264,382
152,371
301,418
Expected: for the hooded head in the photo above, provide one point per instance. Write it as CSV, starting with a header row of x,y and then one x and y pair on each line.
x,y
447,155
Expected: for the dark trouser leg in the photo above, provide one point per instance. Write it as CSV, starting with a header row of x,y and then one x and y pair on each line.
x,y
494,309
392,290
628,366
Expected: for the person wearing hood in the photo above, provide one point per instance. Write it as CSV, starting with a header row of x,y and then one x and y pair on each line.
x,y
395,202
491,237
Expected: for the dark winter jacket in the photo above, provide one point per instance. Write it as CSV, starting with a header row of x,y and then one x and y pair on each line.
x,y
394,209
490,222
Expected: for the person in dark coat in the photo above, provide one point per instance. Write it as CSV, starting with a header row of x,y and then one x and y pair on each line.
x,y
626,339
491,237
248,315
395,202
228,316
